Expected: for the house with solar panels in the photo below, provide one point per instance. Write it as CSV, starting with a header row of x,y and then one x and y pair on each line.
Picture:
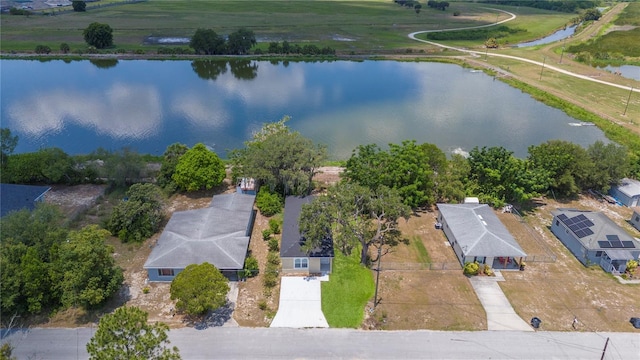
x,y
595,239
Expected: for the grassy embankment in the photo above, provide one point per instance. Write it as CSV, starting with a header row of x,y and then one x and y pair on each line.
x,y
345,296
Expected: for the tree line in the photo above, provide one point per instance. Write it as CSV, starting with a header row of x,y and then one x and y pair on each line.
x,y
567,6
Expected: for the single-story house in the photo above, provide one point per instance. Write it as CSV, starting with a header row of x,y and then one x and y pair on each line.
x,y
476,234
635,218
17,197
595,239
294,259
627,192
218,234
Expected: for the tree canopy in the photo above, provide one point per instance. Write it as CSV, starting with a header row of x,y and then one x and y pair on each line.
x,y
500,178
45,267
170,159
126,334
98,35
356,217
207,42
199,168
568,165
241,41
199,288
410,168
88,273
140,215
279,158
79,5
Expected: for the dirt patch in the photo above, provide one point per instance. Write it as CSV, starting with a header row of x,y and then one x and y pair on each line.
x,y
556,292
414,297
72,200
251,292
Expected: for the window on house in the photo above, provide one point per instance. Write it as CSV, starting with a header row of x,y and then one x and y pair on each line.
x,y
557,222
598,253
637,218
165,272
300,263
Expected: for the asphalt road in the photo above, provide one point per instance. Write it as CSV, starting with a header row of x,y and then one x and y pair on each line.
x,y
266,343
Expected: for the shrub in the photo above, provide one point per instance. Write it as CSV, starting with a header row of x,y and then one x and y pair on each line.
x,y
251,268
270,279
266,234
471,268
488,270
42,49
268,203
145,290
262,304
273,245
275,226
456,13
273,258
65,48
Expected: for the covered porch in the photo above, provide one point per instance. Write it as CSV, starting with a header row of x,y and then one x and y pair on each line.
x,y
507,262
615,261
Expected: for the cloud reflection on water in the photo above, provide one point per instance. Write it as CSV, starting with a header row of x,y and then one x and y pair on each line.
x,y
122,111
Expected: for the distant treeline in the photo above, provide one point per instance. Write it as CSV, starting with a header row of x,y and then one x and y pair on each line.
x,y
567,6
475,34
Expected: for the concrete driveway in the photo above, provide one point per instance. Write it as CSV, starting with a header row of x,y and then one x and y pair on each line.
x,y
500,314
300,304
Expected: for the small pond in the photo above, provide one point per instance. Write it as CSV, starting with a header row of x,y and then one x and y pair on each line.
x,y
558,35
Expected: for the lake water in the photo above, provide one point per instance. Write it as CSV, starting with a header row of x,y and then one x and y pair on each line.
x,y
147,105
558,35
627,71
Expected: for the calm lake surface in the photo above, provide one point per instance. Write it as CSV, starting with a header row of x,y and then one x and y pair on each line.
x,y
147,105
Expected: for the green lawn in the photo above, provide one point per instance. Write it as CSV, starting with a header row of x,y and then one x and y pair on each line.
x,y
348,290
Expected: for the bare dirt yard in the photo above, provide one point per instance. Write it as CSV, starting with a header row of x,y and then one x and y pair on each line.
x,y
421,282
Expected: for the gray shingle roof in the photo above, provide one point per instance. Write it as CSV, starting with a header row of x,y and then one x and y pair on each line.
x,y
479,231
218,235
17,197
290,245
601,228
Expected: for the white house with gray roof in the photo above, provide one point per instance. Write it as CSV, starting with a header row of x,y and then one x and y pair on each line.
x,y
595,239
476,234
218,234
627,192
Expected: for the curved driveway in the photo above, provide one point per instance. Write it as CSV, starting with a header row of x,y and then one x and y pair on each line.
x,y
513,16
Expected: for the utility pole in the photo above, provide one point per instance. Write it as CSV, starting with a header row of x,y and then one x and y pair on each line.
x,y
626,106
605,349
375,297
562,54
541,70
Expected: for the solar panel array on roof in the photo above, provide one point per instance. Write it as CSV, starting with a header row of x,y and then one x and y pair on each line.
x,y
615,244
579,224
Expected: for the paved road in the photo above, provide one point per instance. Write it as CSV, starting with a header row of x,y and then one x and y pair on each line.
x,y
270,343
484,53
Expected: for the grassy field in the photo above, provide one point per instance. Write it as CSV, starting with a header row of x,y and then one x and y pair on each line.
x,y
359,26
348,291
